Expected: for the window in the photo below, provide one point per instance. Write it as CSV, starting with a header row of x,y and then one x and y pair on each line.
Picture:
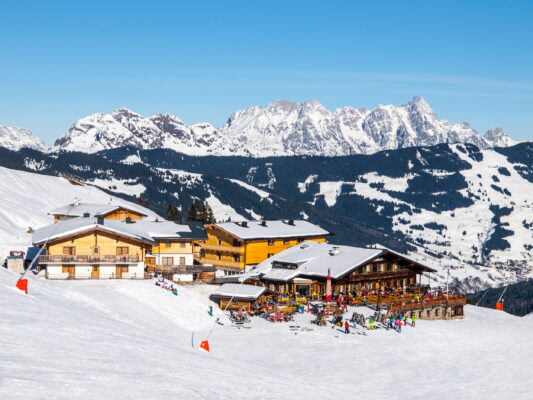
x,y
285,241
124,268
167,261
202,253
300,240
374,267
219,256
219,242
122,251
96,250
182,260
235,301
67,268
95,268
69,250
167,243
236,243
271,242
270,255
236,257
182,244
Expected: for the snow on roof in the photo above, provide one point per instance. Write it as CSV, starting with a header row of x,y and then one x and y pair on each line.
x,y
314,259
81,224
239,291
171,230
92,209
140,230
272,229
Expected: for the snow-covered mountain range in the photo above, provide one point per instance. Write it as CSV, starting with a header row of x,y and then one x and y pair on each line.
x,y
14,138
282,128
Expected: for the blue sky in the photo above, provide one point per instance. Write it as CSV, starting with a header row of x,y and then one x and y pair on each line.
x,y
59,61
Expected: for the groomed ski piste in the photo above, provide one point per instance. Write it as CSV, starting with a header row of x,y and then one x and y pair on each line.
x,y
133,340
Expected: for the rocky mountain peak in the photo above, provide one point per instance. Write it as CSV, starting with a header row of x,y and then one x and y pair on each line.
x,y
282,128
14,138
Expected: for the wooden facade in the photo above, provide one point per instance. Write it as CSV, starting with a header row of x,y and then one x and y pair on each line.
x,y
386,273
237,303
119,214
95,254
225,250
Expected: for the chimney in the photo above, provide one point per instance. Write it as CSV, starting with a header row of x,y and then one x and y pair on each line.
x,y
244,224
99,219
128,220
263,223
86,215
291,222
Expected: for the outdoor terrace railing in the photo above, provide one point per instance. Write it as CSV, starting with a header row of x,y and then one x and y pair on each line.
x,y
412,304
68,276
220,247
220,263
92,259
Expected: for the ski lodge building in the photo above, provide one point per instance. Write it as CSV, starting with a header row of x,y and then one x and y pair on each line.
x,y
234,296
303,270
108,211
235,247
103,246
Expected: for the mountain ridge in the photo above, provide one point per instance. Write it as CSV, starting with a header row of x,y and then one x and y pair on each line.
x,y
282,128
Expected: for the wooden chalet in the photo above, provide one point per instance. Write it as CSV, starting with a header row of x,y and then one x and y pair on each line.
x,y
235,247
235,296
93,247
387,275
108,211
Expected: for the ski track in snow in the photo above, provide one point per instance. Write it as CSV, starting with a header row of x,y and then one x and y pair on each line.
x,y
133,340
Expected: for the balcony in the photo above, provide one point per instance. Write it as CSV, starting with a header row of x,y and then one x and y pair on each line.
x,y
92,259
221,263
219,247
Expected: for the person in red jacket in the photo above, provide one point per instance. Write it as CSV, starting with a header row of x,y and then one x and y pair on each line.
x,y
346,327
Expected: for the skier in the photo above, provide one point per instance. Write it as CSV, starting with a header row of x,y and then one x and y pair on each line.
x,y
346,327
413,320
364,300
371,323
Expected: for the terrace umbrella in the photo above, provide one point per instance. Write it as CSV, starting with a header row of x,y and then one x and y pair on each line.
x,y
328,287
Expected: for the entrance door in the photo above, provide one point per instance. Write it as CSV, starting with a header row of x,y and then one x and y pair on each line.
x,y
70,270
96,272
118,272
302,290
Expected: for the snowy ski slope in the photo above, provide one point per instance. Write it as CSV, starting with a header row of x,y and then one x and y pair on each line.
x,y
26,199
133,340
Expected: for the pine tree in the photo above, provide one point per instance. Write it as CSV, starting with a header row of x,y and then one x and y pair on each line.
x,y
203,214
192,212
210,216
172,212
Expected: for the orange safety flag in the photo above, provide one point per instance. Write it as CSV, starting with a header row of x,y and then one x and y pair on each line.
x,y
205,345
22,284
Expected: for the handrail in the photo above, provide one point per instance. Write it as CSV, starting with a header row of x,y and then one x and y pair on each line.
x,y
220,263
61,258
221,247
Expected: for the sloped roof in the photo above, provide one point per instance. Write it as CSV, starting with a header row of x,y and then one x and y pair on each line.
x,y
80,209
239,291
273,229
314,259
143,230
82,224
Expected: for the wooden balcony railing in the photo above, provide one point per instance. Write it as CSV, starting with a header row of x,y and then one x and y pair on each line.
x,y
219,247
92,259
221,263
